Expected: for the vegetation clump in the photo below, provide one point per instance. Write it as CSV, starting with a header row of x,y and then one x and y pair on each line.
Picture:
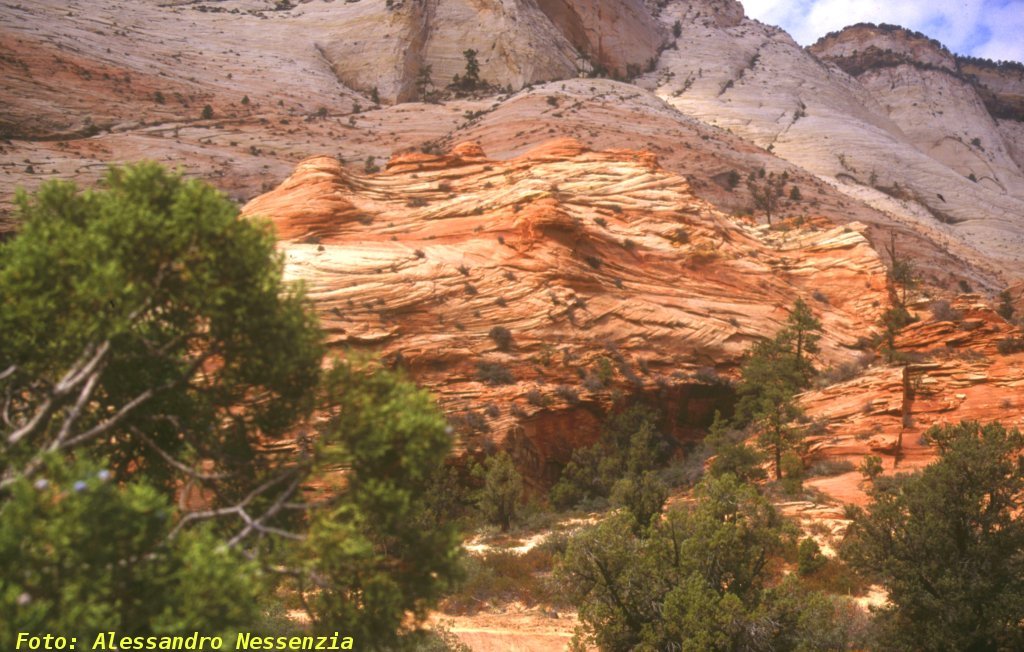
x,y
630,444
502,337
697,579
946,544
150,345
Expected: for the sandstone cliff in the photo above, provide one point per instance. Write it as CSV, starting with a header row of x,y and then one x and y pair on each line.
x,y
532,295
956,366
914,140
98,83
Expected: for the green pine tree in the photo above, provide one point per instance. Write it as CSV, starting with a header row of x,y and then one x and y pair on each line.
x,y
502,491
947,544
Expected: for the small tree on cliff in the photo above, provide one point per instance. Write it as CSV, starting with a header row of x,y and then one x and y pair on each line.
x,y
801,335
773,413
424,83
780,365
470,80
1005,308
772,375
902,270
767,193
894,319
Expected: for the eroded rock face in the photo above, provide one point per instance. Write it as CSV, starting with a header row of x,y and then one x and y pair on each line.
x,y
94,83
948,107
609,278
385,45
908,133
958,371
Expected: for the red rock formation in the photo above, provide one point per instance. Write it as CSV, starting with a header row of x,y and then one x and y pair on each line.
x,y
610,277
958,373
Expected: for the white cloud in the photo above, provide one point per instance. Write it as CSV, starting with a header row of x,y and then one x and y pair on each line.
x,y
1006,25
987,28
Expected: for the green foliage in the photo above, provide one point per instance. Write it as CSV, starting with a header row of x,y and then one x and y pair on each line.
x,y
605,371
773,412
642,495
830,467
151,279
695,580
809,557
732,179
871,467
151,348
809,621
902,271
792,467
781,365
494,373
502,337
83,554
375,551
471,77
449,497
801,336
439,638
947,544
470,80
1010,345
731,453
502,576
424,82
894,319
502,490
774,372
629,445
1005,308
207,112
766,191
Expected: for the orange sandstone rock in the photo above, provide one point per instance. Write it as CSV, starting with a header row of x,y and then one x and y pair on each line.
x,y
611,278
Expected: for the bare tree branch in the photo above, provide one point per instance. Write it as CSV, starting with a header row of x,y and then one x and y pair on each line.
x,y
79,372
130,406
72,378
8,399
270,513
76,411
239,508
108,424
167,457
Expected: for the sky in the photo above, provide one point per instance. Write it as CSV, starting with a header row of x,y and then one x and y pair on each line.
x,y
992,29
